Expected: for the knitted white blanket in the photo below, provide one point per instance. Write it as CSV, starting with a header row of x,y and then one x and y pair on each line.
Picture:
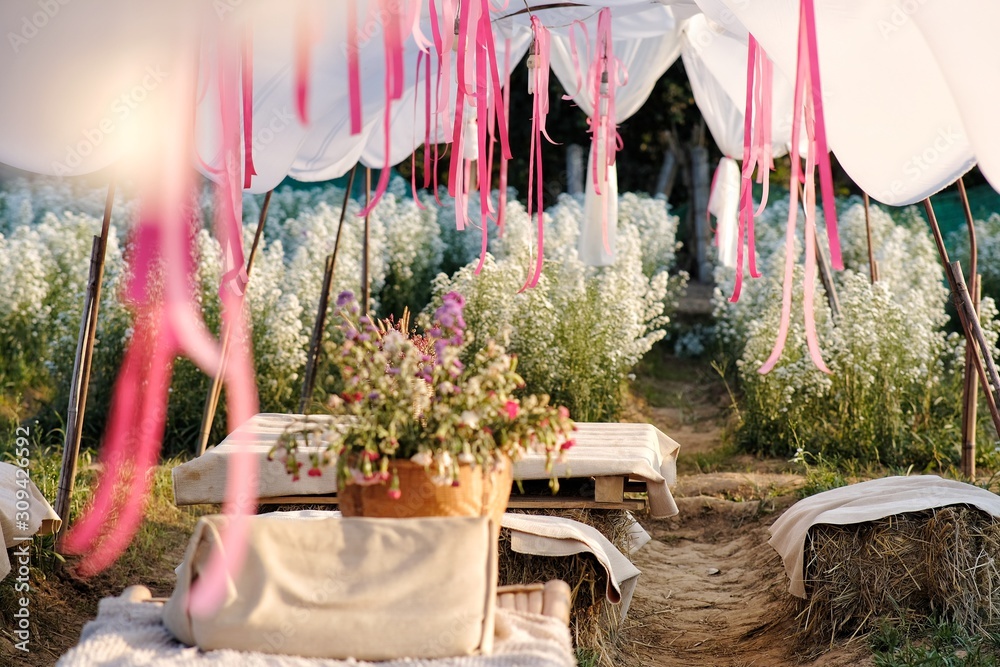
x,y
128,634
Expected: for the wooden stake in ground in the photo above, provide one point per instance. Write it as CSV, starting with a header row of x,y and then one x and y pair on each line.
x,y
970,389
963,316
215,391
312,356
872,265
366,293
80,383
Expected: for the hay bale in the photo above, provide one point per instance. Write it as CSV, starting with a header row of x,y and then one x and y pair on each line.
x,y
943,563
593,621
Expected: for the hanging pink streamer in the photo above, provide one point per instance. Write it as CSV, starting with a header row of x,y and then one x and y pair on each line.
x,y
477,85
246,71
802,111
540,49
746,192
304,36
757,154
575,55
229,195
161,291
412,19
455,167
807,21
438,116
353,67
486,34
393,38
427,122
241,394
413,155
482,164
606,74
504,160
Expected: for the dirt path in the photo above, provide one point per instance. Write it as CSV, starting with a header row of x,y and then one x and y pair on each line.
x,y
712,592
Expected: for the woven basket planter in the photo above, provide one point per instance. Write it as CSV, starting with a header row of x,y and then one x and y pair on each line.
x,y
480,492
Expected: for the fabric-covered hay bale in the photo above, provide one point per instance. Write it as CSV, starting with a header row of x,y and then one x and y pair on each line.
x,y
942,563
594,621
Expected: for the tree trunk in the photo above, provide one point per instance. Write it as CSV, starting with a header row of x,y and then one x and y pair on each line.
x,y
700,186
575,169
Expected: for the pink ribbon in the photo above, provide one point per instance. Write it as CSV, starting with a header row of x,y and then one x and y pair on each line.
x,y
354,67
606,71
167,322
478,84
541,47
574,53
394,80
303,47
246,70
505,91
802,107
807,19
756,154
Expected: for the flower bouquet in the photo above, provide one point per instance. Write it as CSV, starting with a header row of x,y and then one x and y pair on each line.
x,y
413,411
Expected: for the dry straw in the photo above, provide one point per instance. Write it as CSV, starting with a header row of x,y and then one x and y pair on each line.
x,y
594,621
940,563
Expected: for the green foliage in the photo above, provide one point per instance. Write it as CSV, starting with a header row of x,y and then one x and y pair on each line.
x,y
932,644
894,392
580,332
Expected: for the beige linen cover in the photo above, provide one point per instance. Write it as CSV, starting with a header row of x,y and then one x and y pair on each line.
x,y
867,501
41,517
129,633
639,451
322,586
541,535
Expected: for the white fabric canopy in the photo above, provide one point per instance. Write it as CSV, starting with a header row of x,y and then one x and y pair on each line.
x,y
891,119
645,59
715,61
908,96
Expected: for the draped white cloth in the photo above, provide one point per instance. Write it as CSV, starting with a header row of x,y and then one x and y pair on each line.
x,y
724,204
892,118
645,59
908,91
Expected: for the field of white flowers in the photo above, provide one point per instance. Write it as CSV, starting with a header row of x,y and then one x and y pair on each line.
x,y
894,395
577,336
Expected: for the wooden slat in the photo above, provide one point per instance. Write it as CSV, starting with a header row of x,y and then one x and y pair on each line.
x,y
609,489
299,500
516,502
550,502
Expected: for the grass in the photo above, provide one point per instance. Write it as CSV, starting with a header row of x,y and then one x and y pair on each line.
x,y
587,658
60,602
933,643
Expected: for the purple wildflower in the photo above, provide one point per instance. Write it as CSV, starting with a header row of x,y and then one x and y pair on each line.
x,y
344,298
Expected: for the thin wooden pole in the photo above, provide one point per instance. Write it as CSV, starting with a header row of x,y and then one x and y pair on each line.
x,y
366,293
970,338
872,266
971,225
82,365
977,329
825,275
312,356
215,391
970,389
